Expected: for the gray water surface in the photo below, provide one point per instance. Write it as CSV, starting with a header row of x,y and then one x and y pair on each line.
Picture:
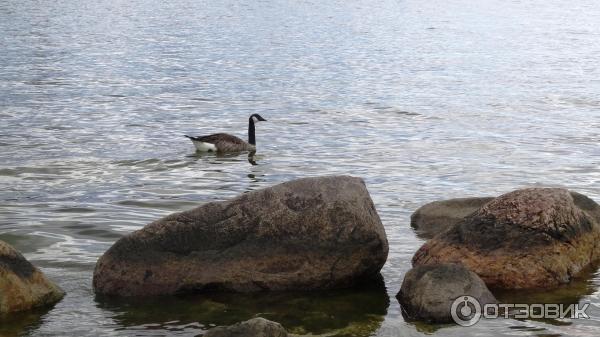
x,y
425,100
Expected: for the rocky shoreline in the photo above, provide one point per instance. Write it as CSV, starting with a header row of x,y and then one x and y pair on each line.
x,y
324,233
535,238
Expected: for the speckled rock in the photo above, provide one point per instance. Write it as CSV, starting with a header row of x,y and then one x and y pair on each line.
x,y
312,233
436,217
530,238
256,327
23,286
427,292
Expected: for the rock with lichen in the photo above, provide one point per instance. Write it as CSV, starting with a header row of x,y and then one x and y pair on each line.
x,y
529,238
306,234
23,286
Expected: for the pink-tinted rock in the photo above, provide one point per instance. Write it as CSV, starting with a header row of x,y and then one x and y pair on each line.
x,y
530,238
23,286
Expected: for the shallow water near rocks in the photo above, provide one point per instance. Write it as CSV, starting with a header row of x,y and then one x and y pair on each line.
x,y
424,100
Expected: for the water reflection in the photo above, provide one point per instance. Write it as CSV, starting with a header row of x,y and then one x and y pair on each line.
x,y
349,312
578,291
216,157
18,324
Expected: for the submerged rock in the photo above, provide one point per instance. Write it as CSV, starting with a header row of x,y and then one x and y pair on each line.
x,y
256,327
427,292
23,286
435,217
530,238
313,233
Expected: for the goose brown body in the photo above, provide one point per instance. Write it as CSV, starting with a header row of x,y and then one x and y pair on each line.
x,y
223,142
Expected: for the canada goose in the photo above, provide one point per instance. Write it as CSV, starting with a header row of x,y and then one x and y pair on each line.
x,y
223,142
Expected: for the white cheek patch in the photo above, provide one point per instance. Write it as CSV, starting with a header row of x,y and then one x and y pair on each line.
x,y
205,147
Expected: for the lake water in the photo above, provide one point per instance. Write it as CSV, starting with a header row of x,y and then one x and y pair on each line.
x,y
425,100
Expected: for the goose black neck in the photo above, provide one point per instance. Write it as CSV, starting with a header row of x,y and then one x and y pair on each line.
x,y
251,138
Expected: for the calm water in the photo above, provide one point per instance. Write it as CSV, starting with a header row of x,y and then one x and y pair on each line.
x,y
423,99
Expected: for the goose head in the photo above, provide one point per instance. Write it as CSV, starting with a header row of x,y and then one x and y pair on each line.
x,y
257,118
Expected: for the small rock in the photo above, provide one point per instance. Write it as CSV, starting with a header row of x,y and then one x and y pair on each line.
x,y
256,327
23,286
435,217
427,292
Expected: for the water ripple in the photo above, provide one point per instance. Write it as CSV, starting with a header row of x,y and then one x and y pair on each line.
x,y
424,100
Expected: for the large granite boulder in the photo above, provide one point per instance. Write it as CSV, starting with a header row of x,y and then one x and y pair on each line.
x,y
435,217
313,233
256,327
427,292
530,238
23,286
